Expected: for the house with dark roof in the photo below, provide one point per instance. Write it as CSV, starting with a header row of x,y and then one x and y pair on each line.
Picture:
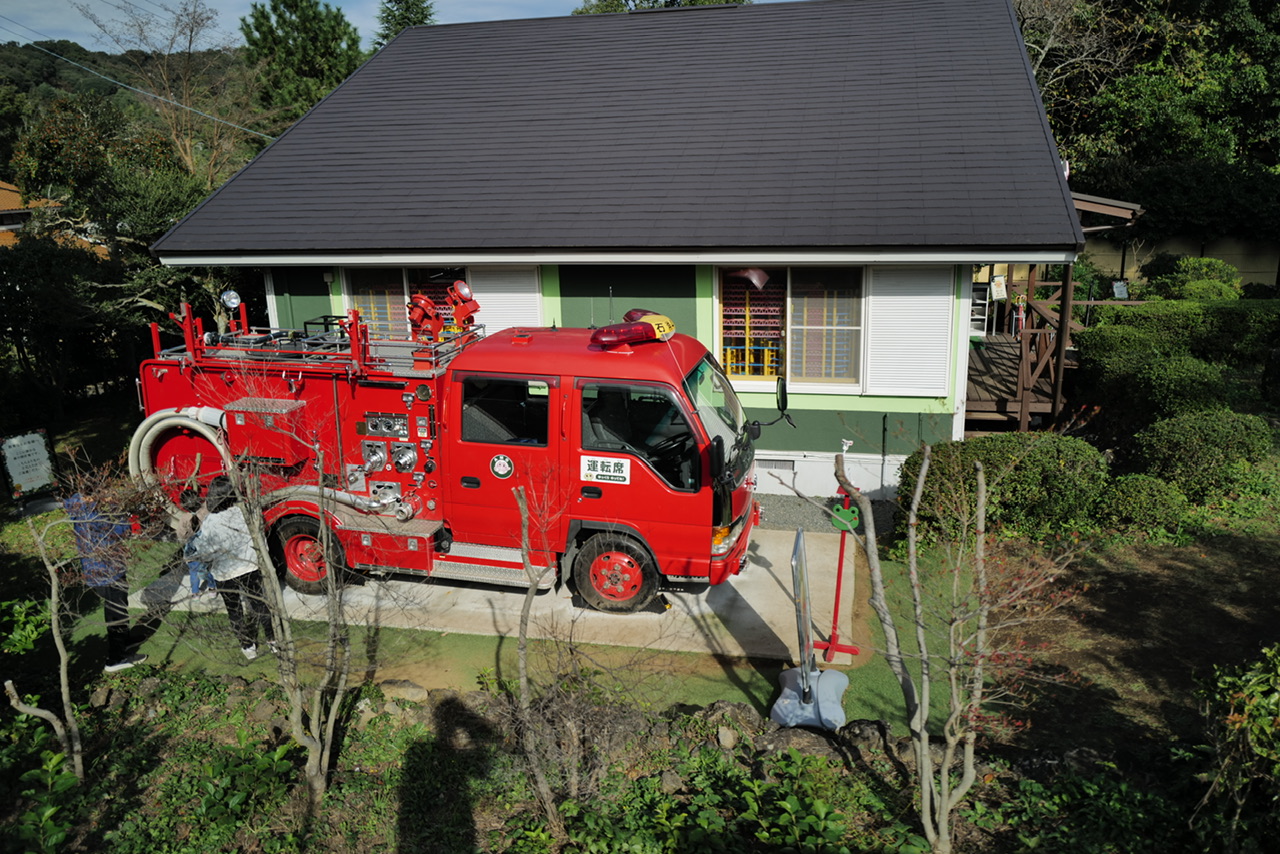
x,y
14,213
806,187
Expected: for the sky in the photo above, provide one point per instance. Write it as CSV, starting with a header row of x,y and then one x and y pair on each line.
x,y
39,20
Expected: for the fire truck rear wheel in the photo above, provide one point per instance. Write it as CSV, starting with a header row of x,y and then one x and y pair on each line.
x,y
613,572
297,551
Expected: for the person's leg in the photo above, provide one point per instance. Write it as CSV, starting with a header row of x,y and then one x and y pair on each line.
x,y
115,608
233,596
254,580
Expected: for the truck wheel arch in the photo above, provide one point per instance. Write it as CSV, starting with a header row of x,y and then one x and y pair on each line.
x,y
612,567
295,541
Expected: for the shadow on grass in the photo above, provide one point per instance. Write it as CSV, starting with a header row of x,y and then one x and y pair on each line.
x,y
436,800
1153,623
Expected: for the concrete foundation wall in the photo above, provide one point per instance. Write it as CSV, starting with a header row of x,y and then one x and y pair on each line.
x,y
813,474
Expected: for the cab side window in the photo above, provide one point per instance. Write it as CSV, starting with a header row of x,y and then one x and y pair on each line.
x,y
643,421
505,411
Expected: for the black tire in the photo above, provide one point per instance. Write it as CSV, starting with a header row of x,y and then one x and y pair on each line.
x,y
615,573
295,550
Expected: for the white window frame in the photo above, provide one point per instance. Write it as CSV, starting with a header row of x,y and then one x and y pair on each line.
x,y
802,386
531,300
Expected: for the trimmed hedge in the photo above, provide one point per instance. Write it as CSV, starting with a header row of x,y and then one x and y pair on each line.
x,y
1234,331
1036,482
1142,502
1163,388
1112,354
1197,452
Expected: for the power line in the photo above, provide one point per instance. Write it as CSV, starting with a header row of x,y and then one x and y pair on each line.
x,y
119,83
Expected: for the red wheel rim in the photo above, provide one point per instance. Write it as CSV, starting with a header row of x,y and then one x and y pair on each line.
x,y
616,576
304,558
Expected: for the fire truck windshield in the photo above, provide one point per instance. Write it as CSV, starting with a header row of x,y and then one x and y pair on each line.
x,y
719,408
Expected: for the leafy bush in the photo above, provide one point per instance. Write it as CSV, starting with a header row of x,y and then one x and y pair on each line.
x,y
1036,482
729,809
1142,502
1174,279
1111,355
1102,812
1166,387
1242,706
1087,813
1206,289
1234,331
1196,451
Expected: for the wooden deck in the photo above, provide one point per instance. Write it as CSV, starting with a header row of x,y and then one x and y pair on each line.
x,y
993,382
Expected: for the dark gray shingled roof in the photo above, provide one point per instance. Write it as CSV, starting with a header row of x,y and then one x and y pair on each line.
x,y
835,124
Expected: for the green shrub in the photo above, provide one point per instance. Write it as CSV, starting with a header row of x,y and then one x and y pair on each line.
x,y
1165,387
1242,707
1206,290
1171,323
1231,331
1098,812
1174,280
1142,502
1111,355
1036,482
1196,451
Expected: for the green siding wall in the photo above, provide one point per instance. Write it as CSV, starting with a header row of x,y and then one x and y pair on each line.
x,y
667,289
870,432
301,294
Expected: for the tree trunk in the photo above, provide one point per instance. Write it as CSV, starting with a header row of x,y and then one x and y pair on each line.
x,y
528,740
72,738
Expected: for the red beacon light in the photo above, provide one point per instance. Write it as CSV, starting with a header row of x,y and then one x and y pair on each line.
x,y
638,325
424,318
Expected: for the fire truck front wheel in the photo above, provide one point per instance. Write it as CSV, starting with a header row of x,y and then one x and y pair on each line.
x,y
613,572
300,557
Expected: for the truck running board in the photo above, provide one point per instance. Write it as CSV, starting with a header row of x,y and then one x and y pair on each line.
x,y
487,565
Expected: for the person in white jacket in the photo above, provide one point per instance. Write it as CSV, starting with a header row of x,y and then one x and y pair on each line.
x,y
225,544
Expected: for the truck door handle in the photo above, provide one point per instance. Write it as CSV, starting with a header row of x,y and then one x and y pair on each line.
x,y
471,483
592,492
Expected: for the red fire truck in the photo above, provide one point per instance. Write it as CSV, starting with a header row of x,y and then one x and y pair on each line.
x,y
634,453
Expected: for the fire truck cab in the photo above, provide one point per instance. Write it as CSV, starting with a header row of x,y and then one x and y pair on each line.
x,y
633,455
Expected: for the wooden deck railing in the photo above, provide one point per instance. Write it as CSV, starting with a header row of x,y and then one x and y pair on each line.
x,y
1043,344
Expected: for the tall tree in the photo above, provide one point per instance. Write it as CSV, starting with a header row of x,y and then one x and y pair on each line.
x,y
117,183
396,15
303,48
1076,47
204,92
604,7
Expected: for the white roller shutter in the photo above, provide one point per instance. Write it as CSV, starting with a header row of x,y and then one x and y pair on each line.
x,y
909,331
508,296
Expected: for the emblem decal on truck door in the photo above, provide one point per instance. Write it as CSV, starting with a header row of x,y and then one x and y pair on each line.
x,y
606,469
502,466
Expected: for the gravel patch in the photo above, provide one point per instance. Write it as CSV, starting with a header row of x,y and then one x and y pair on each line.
x,y
787,512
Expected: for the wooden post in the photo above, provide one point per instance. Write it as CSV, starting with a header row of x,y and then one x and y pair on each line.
x,y
1064,337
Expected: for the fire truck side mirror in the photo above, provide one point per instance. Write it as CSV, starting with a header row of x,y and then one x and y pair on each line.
x,y
782,394
717,458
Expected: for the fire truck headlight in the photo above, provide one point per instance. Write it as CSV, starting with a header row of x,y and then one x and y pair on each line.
x,y
722,540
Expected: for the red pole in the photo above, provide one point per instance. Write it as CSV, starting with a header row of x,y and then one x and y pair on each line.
x,y
831,647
